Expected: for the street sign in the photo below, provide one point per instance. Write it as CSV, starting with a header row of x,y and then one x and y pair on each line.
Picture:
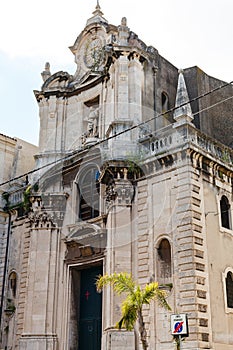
x,y
179,325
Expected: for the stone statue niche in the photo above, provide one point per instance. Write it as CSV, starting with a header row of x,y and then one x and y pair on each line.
x,y
90,124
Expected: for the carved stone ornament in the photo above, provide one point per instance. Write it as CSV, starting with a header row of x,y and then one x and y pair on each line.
x,y
41,219
90,136
91,55
48,210
121,192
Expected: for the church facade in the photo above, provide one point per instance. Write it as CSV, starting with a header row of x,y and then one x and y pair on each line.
x,y
133,174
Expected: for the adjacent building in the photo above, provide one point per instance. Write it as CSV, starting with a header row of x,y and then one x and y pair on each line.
x,y
16,159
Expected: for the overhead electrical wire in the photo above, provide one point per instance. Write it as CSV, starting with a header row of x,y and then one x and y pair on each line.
x,y
213,105
80,151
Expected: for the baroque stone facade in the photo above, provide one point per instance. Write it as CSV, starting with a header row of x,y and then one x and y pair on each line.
x,y
134,173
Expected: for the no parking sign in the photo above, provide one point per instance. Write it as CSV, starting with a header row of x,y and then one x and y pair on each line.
x,y
179,325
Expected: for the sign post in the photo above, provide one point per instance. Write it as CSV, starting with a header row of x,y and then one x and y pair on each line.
x,y
179,327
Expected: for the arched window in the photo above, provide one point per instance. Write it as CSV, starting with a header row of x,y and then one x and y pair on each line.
x,y
229,289
89,188
13,283
164,102
164,259
225,212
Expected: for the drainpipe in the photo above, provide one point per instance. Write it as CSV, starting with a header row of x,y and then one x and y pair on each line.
x,y
5,267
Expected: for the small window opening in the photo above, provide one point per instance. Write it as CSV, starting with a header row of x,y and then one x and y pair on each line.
x,y
225,212
229,289
89,189
13,283
164,254
165,102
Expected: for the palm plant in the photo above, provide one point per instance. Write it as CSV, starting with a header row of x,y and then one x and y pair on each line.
x,y
136,297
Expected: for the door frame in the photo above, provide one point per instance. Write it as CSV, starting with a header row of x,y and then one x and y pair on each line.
x,y
67,296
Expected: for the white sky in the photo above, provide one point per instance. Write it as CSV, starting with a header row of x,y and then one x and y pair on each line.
x,y
185,32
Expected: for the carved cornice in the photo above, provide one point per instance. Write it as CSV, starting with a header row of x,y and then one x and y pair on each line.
x,y
77,252
70,88
87,234
85,242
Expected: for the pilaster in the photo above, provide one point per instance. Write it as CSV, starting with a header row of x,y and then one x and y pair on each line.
x,y
135,88
118,201
38,330
143,233
144,245
190,254
22,299
122,93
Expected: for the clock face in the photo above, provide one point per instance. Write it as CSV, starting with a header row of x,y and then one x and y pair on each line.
x,y
94,54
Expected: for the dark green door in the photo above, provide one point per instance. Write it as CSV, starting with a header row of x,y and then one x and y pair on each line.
x,y
90,310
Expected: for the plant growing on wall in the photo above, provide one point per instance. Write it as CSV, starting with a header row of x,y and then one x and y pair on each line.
x,y
23,201
5,197
135,298
10,307
26,198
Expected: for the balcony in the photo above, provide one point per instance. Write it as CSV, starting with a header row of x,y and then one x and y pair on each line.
x,y
171,138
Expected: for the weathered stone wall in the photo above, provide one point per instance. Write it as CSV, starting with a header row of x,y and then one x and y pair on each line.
x,y
214,112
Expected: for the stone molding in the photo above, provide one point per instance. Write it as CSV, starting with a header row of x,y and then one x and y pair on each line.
x,y
38,341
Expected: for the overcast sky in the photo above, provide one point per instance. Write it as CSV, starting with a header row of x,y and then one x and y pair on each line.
x,y
185,32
